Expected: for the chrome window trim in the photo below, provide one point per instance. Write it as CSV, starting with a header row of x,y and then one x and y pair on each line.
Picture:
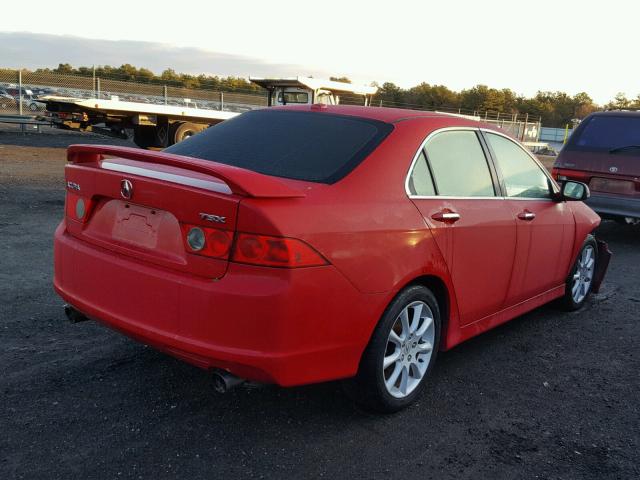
x,y
448,197
415,159
443,197
496,197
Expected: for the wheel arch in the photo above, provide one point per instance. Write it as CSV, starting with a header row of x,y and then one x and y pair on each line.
x,y
586,222
440,290
446,303
443,296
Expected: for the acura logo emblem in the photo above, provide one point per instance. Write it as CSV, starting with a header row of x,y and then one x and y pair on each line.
x,y
126,189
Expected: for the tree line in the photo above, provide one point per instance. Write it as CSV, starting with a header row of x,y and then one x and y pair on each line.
x,y
168,77
555,109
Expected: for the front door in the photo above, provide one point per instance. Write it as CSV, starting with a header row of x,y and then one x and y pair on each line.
x,y
545,227
455,189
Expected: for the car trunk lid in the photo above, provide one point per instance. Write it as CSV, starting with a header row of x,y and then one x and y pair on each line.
x,y
142,204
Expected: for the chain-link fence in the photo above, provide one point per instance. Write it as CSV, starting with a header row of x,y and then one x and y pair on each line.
x,y
524,127
20,91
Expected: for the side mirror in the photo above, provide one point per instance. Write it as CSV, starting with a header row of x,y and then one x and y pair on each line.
x,y
574,191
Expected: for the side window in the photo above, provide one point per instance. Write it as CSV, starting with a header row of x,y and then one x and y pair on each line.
x,y
459,165
522,176
420,181
293,97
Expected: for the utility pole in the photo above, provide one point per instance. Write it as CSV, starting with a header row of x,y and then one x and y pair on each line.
x,y
20,92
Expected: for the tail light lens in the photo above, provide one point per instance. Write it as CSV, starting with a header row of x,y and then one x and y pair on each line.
x,y
249,248
78,208
210,242
274,251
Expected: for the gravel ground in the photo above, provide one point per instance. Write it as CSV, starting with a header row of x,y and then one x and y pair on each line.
x,y
550,395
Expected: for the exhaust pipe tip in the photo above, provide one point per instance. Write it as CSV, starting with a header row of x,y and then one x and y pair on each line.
x,y
73,315
224,381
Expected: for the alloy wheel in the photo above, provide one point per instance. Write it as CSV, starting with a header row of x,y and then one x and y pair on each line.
x,y
409,349
583,275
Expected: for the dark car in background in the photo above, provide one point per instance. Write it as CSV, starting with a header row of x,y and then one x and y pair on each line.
x,y
604,153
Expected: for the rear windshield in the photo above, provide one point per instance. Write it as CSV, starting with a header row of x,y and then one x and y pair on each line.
x,y
607,132
316,147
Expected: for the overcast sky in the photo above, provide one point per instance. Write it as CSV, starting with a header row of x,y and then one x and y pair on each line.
x,y
566,45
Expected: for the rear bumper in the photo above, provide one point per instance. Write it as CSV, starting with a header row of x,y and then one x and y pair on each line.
x,y
614,206
273,325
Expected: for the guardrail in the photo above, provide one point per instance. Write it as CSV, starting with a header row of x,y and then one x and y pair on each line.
x,y
24,120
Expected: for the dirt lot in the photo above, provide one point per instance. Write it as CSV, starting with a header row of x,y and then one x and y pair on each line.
x,y
550,395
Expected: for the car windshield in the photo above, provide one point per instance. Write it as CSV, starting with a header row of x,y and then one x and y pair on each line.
x,y
316,147
608,132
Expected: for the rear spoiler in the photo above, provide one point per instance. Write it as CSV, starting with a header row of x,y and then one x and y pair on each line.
x,y
240,181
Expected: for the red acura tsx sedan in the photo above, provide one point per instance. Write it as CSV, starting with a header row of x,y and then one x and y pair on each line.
x,y
303,244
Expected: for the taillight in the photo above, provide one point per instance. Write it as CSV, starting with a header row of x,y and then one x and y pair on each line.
x,y
274,251
210,242
78,208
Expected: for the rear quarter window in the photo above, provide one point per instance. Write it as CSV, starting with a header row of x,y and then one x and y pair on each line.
x,y
315,147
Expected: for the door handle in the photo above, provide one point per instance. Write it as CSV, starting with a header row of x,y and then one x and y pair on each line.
x,y
526,215
446,216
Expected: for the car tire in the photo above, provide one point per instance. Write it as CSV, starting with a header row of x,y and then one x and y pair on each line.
x,y
580,279
184,130
384,390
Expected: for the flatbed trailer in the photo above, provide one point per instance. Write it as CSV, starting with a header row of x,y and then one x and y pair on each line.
x,y
154,126
160,126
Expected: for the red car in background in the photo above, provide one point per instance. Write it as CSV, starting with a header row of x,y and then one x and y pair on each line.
x,y
304,244
604,152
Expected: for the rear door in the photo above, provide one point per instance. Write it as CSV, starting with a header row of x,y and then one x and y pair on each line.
x,y
545,227
455,188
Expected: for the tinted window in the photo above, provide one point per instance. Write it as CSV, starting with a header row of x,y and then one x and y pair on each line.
x,y
606,132
420,181
294,97
459,165
522,176
316,147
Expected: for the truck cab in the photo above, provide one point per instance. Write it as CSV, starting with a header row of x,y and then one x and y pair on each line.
x,y
307,90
